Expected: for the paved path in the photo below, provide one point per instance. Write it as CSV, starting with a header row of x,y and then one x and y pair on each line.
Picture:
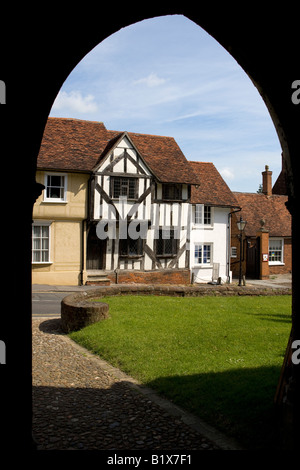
x,y
82,403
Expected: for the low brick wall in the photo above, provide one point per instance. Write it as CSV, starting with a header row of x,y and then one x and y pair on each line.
x,y
78,311
157,276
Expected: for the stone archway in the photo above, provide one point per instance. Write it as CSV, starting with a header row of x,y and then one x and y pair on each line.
x,y
41,49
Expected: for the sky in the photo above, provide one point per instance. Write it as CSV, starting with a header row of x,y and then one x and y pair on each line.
x,y
167,76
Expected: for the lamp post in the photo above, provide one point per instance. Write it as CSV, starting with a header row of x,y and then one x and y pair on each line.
x,y
241,226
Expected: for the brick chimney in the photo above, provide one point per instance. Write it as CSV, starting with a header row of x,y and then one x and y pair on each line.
x,y
267,181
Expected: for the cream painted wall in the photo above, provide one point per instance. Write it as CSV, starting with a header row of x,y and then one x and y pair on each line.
x,y
66,231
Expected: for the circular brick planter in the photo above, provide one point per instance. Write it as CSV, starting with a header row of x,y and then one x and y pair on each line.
x,y
77,312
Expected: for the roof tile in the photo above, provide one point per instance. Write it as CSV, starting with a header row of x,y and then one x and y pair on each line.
x,y
258,206
212,189
77,145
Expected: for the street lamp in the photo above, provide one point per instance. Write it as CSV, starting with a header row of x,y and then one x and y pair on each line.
x,y
241,226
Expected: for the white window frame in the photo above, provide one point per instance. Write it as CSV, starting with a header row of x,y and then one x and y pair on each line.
x,y
281,262
65,187
42,223
199,216
207,265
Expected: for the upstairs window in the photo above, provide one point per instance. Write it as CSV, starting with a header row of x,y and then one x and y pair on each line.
x,y
121,186
55,188
172,192
203,215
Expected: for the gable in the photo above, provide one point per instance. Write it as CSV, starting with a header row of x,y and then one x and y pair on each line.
x,y
122,157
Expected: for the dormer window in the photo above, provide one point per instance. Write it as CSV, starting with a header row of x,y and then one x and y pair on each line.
x,y
172,192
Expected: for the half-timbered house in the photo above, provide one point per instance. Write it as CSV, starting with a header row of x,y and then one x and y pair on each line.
x,y
119,203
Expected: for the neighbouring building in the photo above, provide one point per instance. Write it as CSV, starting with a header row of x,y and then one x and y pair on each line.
x,y
212,204
127,208
267,238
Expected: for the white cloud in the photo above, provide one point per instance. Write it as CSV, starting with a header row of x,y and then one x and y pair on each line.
x,y
74,101
151,81
227,173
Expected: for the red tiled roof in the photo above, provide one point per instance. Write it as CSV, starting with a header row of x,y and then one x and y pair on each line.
x,y
77,145
212,189
72,144
272,209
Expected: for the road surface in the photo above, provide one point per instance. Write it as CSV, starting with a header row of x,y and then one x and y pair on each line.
x,y
46,304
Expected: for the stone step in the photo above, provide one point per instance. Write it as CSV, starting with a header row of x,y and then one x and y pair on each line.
x,y
97,277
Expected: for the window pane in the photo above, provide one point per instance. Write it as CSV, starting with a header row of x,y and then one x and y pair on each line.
x,y
207,215
198,254
131,190
206,254
36,232
36,243
36,256
55,180
198,214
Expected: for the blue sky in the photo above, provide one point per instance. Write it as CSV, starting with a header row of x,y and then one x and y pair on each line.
x,y
167,76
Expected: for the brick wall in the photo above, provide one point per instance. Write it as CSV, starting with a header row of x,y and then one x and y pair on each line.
x,y
166,276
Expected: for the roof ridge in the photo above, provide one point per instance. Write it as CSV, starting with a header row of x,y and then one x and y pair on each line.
x,y
208,163
76,119
152,135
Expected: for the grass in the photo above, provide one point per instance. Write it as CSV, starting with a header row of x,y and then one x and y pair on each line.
x,y
218,357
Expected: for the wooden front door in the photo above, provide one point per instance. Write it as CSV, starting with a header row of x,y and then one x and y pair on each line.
x,y
253,257
96,250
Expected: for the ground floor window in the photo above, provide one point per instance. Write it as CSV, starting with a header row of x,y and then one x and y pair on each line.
x,y
166,244
203,253
130,247
275,251
41,243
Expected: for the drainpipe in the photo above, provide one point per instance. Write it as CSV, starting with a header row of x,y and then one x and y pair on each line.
x,y
229,242
83,225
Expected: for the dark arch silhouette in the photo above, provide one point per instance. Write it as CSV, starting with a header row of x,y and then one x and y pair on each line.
x,y
39,50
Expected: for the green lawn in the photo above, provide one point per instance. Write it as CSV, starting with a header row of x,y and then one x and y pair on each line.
x,y
219,357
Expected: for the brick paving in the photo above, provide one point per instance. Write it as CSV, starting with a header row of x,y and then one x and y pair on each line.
x,y
79,404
